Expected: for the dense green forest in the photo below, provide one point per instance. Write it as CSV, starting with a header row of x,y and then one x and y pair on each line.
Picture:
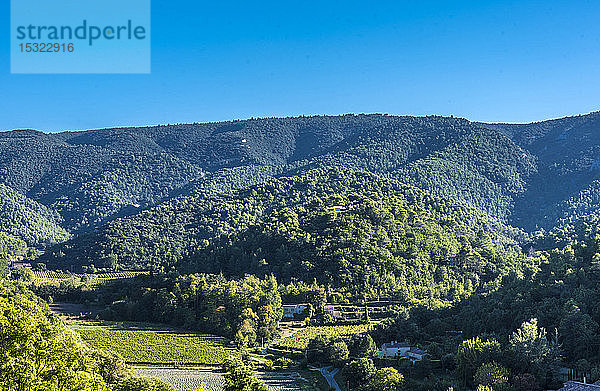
x,y
92,177
178,230
86,184
372,246
567,153
560,296
28,220
517,174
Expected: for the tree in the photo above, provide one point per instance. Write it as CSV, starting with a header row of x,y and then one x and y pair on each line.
x,y
143,384
578,331
435,351
3,265
533,351
491,374
316,349
240,378
472,353
359,371
111,366
526,382
362,345
246,334
385,379
337,352
448,362
39,353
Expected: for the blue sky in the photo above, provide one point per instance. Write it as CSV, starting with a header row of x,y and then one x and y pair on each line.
x,y
513,61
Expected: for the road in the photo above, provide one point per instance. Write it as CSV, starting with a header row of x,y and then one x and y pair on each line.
x,y
329,374
264,351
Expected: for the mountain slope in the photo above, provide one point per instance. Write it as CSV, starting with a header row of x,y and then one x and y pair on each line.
x,y
364,244
532,175
447,156
28,220
165,235
94,176
88,184
566,184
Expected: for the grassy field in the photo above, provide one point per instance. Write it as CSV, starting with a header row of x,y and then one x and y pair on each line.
x,y
152,345
300,339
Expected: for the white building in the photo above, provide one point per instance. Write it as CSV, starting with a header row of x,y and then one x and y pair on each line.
x,y
577,386
290,310
329,309
396,349
415,354
393,349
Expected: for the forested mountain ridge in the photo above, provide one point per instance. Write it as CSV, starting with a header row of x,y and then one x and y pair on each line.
x,y
173,231
566,185
415,219
531,176
90,177
89,183
366,245
25,218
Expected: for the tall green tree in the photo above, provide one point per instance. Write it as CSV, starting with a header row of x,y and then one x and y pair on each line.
x,y
39,353
239,377
533,351
491,374
359,371
385,379
474,352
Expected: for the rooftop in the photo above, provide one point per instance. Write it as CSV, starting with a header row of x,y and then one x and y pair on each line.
x,y
396,344
577,386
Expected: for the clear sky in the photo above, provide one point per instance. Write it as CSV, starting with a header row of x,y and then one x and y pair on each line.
x,y
513,61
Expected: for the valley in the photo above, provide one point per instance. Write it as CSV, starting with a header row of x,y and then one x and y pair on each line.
x,y
383,252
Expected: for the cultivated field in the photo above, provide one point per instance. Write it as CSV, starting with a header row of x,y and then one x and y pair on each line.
x,y
154,346
55,278
190,379
186,379
300,339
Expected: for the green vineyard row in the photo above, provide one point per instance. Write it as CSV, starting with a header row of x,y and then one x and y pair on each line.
x,y
51,275
301,339
158,347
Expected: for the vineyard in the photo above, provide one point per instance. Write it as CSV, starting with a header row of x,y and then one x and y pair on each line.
x,y
299,340
186,379
158,347
52,277
191,379
292,381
